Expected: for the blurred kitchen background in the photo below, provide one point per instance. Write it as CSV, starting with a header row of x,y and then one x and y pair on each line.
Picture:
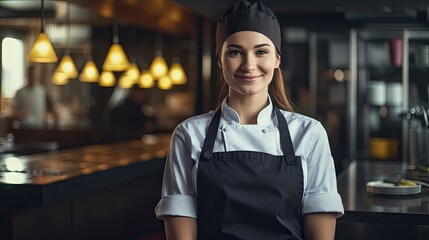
x,y
359,67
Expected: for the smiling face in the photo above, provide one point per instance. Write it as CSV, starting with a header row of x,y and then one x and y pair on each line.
x,y
248,60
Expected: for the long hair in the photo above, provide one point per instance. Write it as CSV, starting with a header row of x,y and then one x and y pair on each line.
x,y
276,89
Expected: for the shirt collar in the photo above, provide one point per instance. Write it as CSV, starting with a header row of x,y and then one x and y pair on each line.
x,y
231,116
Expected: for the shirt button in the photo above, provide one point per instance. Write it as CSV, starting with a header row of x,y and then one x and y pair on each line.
x,y
225,129
264,130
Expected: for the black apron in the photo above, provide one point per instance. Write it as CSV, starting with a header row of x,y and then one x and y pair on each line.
x,y
249,195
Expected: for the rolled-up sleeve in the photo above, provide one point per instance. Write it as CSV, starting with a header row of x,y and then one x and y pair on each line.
x,y
178,191
323,202
321,193
176,205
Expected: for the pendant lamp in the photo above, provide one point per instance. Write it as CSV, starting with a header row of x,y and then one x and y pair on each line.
x,y
116,59
89,72
177,74
133,72
107,79
130,77
42,50
158,68
67,65
126,82
59,78
146,80
165,83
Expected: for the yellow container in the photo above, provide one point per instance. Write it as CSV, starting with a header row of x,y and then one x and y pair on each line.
x,y
383,148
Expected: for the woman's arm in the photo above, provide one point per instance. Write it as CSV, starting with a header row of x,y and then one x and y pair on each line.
x,y
319,226
180,228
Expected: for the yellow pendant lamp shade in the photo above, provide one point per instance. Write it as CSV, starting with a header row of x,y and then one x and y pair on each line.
x,y
126,82
59,78
177,74
133,72
68,67
158,68
42,50
146,80
89,72
107,79
116,59
165,83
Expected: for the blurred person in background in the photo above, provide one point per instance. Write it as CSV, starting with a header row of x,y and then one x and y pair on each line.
x,y
129,116
31,104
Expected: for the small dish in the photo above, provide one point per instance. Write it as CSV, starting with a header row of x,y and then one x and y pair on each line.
x,y
380,187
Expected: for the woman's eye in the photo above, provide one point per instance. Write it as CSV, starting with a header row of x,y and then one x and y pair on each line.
x,y
234,53
261,52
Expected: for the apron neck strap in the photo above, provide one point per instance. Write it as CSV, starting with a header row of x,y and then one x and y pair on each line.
x,y
285,138
207,149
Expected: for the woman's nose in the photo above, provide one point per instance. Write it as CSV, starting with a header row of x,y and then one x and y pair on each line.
x,y
249,62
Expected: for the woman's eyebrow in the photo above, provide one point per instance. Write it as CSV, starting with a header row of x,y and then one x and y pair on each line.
x,y
234,46
256,46
262,45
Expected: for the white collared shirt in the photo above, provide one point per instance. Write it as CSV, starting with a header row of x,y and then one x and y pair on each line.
x,y
33,101
309,139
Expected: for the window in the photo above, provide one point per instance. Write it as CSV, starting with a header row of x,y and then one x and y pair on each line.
x,y
13,71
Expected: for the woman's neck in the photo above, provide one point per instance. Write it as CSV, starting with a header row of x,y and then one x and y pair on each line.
x,y
248,107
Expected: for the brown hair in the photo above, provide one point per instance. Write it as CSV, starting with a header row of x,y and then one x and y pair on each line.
x,y
276,89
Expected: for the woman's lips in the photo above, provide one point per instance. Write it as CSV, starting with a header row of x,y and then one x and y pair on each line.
x,y
248,78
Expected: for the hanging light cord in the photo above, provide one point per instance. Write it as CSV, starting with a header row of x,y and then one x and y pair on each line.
x,y
68,28
159,44
115,23
115,32
42,18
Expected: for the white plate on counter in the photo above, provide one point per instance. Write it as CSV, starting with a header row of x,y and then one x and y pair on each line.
x,y
380,187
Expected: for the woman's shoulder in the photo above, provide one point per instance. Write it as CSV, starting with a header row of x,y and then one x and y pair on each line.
x,y
200,121
303,121
304,125
295,116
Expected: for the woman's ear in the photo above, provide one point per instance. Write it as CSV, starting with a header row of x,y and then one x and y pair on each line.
x,y
277,63
219,63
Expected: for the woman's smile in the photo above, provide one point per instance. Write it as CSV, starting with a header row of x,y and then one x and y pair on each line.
x,y
248,78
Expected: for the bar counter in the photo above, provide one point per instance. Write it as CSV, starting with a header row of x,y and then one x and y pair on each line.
x,y
104,191
373,216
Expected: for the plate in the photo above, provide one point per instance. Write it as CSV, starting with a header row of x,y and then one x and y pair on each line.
x,y
380,187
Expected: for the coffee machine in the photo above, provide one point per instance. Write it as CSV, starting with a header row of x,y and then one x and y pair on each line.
x,y
418,117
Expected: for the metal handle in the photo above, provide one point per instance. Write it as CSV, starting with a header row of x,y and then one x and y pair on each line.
x,y
419,112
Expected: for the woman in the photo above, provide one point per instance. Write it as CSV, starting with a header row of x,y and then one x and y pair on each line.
x,y
252,169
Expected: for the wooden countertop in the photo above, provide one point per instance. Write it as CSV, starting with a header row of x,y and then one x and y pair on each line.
x,y
41,179
361,206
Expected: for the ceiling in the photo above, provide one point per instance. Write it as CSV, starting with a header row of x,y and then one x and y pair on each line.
x,y
160,15
179,17
213,9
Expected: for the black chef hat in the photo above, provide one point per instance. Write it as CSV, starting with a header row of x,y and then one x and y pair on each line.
x,y
246,16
